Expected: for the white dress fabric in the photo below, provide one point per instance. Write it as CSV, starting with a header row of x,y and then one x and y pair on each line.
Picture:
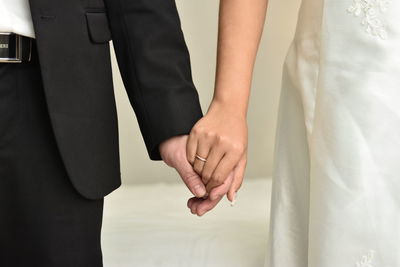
x,y
336,182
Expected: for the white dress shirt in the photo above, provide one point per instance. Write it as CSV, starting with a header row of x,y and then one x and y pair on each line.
x,y
15,16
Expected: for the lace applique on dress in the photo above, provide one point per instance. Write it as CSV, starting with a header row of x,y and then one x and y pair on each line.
x,y
371,12
366,260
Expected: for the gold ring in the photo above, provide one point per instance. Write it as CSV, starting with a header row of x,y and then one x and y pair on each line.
x,y
200,158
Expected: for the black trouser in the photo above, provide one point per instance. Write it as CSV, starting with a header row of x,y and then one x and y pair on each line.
x,y
44,222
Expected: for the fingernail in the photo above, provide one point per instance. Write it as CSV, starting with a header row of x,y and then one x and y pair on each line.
x,y
199,191
234,200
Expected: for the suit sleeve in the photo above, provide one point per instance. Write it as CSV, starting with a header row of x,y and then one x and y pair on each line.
x,y
155,67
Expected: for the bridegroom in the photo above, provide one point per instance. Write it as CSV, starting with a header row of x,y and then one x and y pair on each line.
x,y
58,124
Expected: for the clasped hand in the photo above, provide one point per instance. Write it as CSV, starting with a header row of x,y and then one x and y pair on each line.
x,y
212,159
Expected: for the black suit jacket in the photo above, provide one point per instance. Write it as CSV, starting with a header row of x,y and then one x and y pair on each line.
x,y
73,45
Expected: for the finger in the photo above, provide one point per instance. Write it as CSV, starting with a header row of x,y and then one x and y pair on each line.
x,y
201,206
195,204
221,173
191,148
223,189
214,157
198,166
190,202
193,207
206,205
237,180
191,179
203,149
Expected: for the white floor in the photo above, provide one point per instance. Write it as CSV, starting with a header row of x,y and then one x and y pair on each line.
x,y
150,226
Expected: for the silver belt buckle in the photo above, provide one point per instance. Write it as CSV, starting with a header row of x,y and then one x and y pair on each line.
x,y
11,48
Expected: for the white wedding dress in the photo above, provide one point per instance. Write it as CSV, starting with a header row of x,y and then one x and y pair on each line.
x,y
336,187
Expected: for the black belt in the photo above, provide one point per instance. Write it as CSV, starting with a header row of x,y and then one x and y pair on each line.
x,y
15,48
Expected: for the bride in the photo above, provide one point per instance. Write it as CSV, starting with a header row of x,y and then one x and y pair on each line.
x,y
336,179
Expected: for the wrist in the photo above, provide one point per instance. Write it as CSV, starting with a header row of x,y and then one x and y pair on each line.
x,y
228,106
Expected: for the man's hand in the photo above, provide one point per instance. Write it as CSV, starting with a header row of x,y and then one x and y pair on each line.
x,y
201,206
230,186
173,152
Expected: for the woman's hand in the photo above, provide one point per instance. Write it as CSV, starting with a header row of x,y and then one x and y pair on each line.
x,y
216,146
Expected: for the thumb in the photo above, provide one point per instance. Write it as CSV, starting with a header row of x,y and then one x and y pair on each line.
x,y
191,179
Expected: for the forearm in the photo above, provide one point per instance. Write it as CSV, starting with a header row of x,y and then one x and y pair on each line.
x,y
240,27
155,67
